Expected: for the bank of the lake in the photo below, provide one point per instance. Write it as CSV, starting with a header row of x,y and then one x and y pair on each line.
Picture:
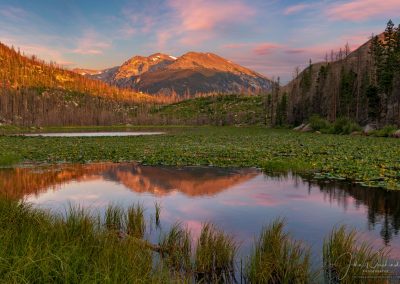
x,y
370,161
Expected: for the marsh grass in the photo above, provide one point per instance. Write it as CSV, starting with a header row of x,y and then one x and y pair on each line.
x,y
135,221
215,255
78,247
276,258
114,218
346,260
36,247
176,249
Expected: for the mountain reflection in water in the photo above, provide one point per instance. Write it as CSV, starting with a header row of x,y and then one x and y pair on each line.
x,y
241,201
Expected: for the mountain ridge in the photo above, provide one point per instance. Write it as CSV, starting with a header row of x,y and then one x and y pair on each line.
x,y
191,73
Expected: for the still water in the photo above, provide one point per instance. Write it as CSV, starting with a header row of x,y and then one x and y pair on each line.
x,y
93,134
240,201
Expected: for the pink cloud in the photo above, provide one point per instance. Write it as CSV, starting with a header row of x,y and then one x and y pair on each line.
x,y
359,10
295,9
205,15
91,44
265,48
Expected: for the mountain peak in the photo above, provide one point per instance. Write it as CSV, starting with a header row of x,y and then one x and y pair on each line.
x,y
193,72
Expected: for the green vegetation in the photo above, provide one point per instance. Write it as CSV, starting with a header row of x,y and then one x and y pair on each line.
x,y
342,125
216,110
37,247
370,161
215,255
279,259
346,261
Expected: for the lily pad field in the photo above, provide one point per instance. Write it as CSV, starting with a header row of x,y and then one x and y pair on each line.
x,y
370,161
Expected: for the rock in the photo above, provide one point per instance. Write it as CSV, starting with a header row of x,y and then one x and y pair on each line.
x,y
300,127
396,134
369,128
317,132
307,128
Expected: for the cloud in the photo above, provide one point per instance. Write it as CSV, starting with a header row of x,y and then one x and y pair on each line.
x,y
206,15
91,44
265,48
295,9
360,10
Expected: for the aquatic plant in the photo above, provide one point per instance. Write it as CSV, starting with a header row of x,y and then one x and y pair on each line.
x,y
346,259
214,255
277,258
114,218
135,221
175,248
371,161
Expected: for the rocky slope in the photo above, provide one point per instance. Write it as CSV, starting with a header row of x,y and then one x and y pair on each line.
x,y
189,74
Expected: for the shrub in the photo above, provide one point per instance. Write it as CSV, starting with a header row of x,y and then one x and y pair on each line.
x,y
318,123
387,131
344,125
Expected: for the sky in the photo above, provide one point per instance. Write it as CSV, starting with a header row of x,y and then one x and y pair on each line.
x,y
271,37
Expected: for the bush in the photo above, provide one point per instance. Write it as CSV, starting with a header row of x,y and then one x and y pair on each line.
x,y
344,125
319,124
387,131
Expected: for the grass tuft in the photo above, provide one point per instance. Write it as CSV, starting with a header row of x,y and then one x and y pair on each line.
x,y
346,260
277,258
114,218
215,255
176,249
135,221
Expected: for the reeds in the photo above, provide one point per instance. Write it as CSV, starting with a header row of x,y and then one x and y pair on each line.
x,y
347,260
176,249
135,221
36,247
215,254
277,258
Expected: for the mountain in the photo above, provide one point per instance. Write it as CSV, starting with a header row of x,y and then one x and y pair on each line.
x,y
351,86
188,74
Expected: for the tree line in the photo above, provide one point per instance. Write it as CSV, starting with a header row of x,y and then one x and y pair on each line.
x,y
363,86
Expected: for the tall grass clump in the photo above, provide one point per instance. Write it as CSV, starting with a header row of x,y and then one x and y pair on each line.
x,y
175,248
135,221
214,256
114,218
277,258
345,260
36,247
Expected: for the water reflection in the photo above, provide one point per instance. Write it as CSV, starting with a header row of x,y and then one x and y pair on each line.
x,y
191,181
240,201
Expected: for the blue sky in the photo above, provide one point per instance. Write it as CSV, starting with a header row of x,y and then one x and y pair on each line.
x,y
269,36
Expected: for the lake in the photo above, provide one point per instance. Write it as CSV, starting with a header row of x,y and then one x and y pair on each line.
x,y
240,201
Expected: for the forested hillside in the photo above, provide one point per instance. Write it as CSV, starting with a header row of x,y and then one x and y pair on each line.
x,y
33,92
363,85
